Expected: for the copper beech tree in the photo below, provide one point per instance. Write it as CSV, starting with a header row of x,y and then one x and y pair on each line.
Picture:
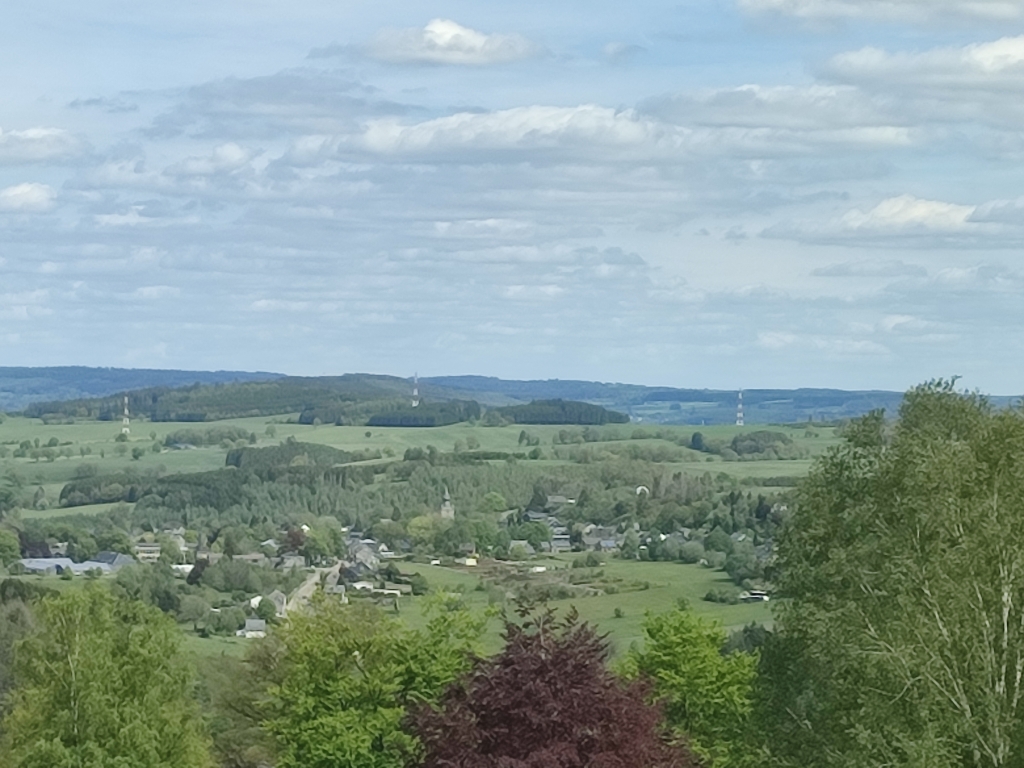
x,y
547,700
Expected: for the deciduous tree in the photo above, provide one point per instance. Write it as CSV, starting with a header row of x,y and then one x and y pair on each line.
x,y
902,639
546,701
102,685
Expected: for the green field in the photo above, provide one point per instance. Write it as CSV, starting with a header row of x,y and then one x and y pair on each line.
x,y
98,439
669,582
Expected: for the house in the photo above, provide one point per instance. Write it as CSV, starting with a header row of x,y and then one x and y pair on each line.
x,y
287,562
147,552
115,560
53,566
527,547
469,562
363,586
403,589
280,601
365,553
254,628
560,543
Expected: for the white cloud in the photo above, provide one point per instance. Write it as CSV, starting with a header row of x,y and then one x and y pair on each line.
x,y
904,219
903,10
130,219
907,212
226,158
608,136
34,145
445,42
517,128
992,65
830,346
30,197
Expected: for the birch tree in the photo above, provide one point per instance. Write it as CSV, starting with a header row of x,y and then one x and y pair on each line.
x,y
902,639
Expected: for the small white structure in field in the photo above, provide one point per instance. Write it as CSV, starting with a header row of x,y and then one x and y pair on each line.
x,y
469,562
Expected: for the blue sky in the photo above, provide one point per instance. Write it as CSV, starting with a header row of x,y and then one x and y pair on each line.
x,y
744,193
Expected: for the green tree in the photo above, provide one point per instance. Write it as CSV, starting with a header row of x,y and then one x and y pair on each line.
x,y
706,696
266,610
492,502
10,547
193,608
349,675
902,638
630,546
102,685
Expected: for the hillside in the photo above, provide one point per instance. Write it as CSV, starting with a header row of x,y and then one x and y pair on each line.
x,y
348,399
670,405
20,387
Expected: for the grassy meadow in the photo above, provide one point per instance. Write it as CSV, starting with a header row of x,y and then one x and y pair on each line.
x,y
94,443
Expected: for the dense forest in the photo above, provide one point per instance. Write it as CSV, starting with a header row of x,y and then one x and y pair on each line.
x,y
559,412
428,414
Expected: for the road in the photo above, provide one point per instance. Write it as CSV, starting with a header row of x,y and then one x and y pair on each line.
x,y
300,598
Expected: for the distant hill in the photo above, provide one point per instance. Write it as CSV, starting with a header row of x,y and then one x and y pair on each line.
x,y
348,399
21,386
74,392
670,405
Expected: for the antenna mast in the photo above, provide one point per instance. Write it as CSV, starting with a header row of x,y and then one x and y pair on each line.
x,y
125,421
739,410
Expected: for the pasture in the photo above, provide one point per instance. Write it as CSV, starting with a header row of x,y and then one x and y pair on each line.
x,y
94,445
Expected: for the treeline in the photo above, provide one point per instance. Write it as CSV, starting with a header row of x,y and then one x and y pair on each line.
x,y
747,446
559,412
342,396
226,435
294,453
428,415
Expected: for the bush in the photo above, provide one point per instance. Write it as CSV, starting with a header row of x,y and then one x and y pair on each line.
x,y
726,596
691,552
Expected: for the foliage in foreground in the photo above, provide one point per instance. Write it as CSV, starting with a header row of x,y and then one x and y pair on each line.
x,y
902,637
706,695
102,685
348,676
546,701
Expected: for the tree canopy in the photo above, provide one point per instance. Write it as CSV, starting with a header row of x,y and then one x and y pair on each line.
x,y
546,701
348,676
902,636
101,684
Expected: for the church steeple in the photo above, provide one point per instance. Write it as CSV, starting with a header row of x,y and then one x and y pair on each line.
x,y
447,510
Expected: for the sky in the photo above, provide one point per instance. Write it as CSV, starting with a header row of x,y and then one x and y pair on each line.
x,y
730,194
